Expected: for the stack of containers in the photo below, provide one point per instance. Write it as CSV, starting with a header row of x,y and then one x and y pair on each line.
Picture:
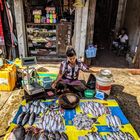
x,y
37,16
50,15
7,77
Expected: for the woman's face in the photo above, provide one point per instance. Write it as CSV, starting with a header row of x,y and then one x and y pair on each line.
x,y
72,59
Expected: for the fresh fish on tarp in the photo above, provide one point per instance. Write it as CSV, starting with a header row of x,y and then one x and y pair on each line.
x,y
28,136
38,110
17,134
36,103
52,121
42,110
42,136
42,105
51,135
34,137
119,136
91,136
32,119
35,109
32,108
113,121
94,108
20,117
57,135
25,119
64,136
82,121
27,106
24,109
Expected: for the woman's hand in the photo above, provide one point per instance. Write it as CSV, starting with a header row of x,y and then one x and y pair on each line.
x,y
53,85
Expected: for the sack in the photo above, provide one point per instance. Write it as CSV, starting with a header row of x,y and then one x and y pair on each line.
x,y
91,83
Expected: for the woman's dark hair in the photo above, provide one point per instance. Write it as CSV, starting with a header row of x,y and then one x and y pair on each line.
x,y
70,52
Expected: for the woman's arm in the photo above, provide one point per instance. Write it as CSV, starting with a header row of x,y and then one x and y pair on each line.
x,y
59,77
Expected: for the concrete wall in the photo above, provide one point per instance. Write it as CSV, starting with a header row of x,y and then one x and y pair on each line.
x,y
132,22
20,26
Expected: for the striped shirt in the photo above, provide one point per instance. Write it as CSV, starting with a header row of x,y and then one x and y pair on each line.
x,y
70,72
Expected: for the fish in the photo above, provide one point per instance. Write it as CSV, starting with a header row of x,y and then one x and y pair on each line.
x,y
38,110
57,135
27,106
32,118
28,136
108,137
25,119
130,136
12,136
24,109
42,105
44,125
51,135
90,137
42,136
36,103
35,109
19,133
117,120
64,136
34,137
20,118
42,110
32,108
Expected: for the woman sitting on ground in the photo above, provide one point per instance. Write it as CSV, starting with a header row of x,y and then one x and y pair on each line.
x,y
69,72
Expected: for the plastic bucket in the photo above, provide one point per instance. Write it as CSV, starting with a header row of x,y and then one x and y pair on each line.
x,y
104,82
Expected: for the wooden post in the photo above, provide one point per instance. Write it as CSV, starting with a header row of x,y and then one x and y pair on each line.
x,y
121,14
77,30
83,30
20,26
90,26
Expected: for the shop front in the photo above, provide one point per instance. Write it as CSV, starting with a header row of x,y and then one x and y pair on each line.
x,y
48,27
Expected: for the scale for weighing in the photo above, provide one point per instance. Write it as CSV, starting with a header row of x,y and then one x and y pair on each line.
x,y
31,87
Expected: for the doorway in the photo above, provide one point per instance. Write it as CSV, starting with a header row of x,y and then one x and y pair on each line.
x,y
105,21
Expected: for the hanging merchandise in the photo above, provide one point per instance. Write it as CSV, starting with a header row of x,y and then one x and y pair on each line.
x,y
12,41
1,6
37,16
51,14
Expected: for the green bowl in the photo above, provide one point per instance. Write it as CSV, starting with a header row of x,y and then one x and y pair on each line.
x,y
89,93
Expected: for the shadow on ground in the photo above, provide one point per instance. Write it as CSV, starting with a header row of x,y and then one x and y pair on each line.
x,y
106,58
128,104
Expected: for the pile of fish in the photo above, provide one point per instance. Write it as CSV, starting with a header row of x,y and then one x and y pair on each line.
x,y
32,133
113,121
94,108
119,136
91,136
51,121
112,136
82,121
30,111
17,134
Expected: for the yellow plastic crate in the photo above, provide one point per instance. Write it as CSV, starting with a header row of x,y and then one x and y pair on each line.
x,y
7,77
